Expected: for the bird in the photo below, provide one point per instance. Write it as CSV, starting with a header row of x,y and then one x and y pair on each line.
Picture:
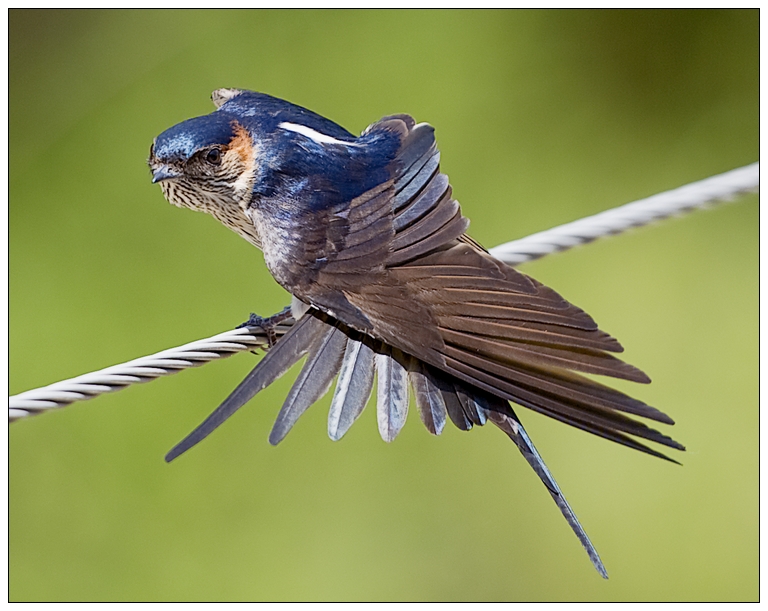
x,y
365,234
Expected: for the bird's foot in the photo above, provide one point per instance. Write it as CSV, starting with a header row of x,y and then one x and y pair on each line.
x,y
268,324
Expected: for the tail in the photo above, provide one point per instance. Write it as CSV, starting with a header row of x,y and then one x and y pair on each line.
x,y
438,395
291,347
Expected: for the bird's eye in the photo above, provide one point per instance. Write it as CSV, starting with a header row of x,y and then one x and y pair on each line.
x,y
213,156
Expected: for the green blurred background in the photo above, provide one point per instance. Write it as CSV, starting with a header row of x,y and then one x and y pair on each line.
x,y
542,117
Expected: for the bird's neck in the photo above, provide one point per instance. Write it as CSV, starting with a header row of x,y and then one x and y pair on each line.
x,y
234,218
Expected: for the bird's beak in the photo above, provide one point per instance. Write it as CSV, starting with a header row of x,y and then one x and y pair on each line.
x,y
164,173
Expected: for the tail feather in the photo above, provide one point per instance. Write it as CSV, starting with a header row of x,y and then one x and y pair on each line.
x,y
291,347
391,395
451,400
474,407
319,371
429,399
510,424
353,388
478,407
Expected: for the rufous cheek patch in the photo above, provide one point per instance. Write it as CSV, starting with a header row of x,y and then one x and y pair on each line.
x,y
242,145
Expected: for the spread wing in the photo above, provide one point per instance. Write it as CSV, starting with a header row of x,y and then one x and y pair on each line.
x,y
403,272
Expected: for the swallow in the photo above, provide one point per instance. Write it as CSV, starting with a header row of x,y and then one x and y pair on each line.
x,y
364,233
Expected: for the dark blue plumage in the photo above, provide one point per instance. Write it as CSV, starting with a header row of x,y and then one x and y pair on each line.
x,y
181,141
262,113
289,161
366,236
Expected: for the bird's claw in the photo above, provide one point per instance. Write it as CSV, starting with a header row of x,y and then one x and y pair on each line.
x,y
268,324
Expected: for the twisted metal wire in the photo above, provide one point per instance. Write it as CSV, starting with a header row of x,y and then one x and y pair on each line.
x,y
713,190
143,369
717,189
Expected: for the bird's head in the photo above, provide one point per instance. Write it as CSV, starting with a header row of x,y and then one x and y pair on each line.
x,y
256,150
204,163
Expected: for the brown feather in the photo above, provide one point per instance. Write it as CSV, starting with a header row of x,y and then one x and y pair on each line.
x,y
535,333
403,271
536,355
559,383
553,406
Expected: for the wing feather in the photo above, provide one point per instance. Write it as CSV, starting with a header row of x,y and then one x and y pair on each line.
x,y
408,185
552,405
532,332
431,234
536,355
403,273
423,204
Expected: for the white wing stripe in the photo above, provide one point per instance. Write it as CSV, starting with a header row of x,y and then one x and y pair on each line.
x,y
313,134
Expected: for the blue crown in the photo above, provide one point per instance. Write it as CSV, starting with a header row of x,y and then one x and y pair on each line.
x,y
179,142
